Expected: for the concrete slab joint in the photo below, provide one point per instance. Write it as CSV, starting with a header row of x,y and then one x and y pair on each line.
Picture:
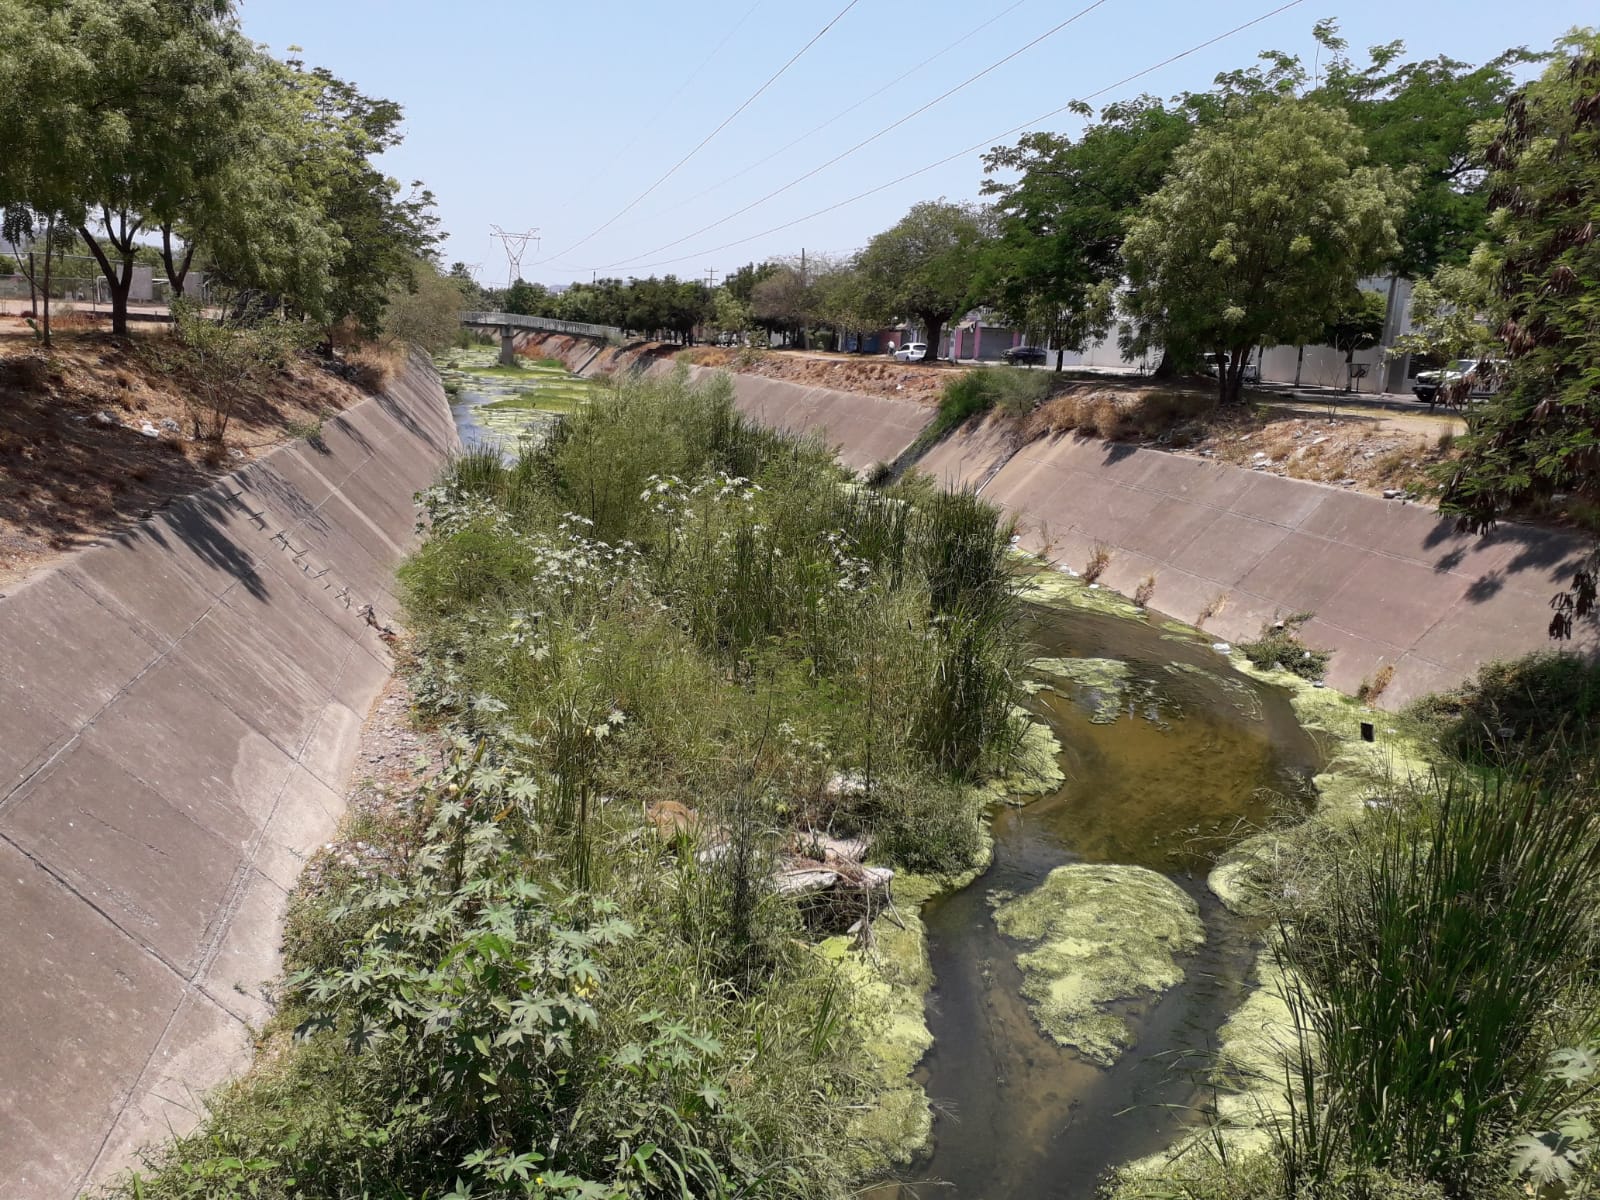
x,y
177,716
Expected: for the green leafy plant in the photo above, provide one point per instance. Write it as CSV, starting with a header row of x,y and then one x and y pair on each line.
x,y
1280,646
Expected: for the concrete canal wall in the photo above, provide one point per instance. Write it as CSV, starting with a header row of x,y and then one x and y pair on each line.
x,y
178,710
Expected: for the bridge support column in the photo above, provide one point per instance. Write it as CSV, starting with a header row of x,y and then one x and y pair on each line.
x,y
508,346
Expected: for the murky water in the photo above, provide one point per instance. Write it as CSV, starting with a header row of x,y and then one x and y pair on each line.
x,y
1194,754
497,406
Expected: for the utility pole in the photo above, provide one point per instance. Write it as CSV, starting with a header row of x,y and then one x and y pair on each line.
x,y
711,278
515,246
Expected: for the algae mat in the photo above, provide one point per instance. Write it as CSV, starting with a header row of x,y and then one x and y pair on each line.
x,y
1100,934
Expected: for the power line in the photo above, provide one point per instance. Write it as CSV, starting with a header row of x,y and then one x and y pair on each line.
x,y
865,142
989,141
843,113
726,121
666,106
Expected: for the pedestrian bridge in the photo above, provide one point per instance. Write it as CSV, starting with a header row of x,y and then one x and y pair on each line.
x,y
511,325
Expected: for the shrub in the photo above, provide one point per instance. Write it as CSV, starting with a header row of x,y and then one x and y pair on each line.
x,y
219,359
1280,646
1146,589
372,365
1528,707
924,828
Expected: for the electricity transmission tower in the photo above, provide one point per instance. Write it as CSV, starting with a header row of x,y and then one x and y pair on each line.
x,y
515,245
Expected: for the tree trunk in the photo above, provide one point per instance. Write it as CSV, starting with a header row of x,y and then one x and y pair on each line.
x,y
1231,373
118,281
33,292
1349,368
1299,359
1166,368
177,272
935,328
49,230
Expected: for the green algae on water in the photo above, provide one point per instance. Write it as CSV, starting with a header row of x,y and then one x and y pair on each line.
x,y
1102,681
1101,934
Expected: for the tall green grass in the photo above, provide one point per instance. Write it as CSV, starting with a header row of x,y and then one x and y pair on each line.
x,y
1432,973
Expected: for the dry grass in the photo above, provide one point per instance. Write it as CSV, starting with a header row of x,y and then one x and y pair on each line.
x,y
1212,608
1099,560
372,365
1123,412
1371,689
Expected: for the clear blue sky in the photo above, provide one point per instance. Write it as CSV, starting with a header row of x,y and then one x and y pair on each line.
x,y
557,115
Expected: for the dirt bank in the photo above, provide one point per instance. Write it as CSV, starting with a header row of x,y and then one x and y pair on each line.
x,y
94,436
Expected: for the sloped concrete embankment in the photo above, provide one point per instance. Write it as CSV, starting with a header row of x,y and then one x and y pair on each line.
x,y
178,710
863,430
1388,584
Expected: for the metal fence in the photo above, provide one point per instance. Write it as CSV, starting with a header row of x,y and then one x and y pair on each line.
x,y
543,324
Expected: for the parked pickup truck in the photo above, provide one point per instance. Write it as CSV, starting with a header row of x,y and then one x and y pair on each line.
x,y
1429,384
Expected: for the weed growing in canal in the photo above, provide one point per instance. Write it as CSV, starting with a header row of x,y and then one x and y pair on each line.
x,y
1099,560
1280,646
1145,590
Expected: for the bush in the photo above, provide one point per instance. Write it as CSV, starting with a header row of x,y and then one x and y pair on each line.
x,y
1280,646
1122,413
1545,702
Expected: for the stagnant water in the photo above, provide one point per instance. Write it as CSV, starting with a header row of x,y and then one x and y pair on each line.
x,y
493,406
1195,755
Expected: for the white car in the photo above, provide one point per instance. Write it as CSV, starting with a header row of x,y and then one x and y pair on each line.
x,y
911,352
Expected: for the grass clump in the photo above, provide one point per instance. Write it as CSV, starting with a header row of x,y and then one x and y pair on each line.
x,y
1008,390
672,648
1280,646
1444,958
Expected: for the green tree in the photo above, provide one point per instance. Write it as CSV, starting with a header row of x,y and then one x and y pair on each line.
x,y
730,315
925,268
143,121
427,313
1062,219
1265,223
527,299
1419,117
1450,318
1357,324
1541,433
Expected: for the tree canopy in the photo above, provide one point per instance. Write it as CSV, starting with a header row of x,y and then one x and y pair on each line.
x,y
925,267
1060,222
1263,226
133,120
1540,435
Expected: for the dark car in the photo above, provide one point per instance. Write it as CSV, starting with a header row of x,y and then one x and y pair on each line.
x,y
1032,355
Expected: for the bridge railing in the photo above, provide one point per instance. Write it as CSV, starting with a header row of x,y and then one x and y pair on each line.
x,y
542,324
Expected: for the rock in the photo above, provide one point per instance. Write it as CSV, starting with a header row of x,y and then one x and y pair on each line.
x,y
1222,647
103,417
1347,483
1392,493
237,454
149,430
168,425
